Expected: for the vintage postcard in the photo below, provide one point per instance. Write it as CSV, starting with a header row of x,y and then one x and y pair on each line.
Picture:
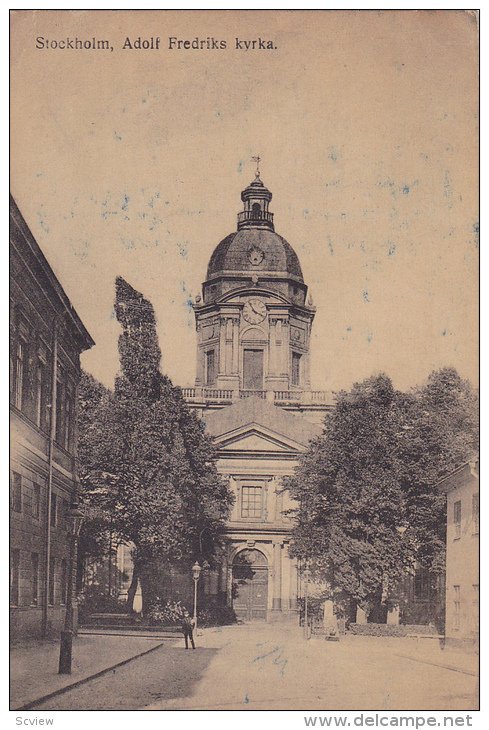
x,y
244,362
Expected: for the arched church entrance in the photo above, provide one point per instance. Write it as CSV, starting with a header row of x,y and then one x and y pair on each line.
x,y
250,585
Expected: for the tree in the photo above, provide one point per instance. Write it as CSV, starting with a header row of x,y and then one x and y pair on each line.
x,y
154,462
352,509
369,505
94,403
440,432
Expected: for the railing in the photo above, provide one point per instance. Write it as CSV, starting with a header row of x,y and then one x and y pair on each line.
x,y
251,393
188,392
251,216
218,394
288,395
319,396
279,397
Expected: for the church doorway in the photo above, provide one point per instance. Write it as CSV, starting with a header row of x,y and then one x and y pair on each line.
x,y
250,585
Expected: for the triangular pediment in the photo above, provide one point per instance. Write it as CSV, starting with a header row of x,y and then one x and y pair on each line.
x,y
258,418
256,438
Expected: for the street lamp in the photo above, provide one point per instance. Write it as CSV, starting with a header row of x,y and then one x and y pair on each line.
x,y
196,569
75,520
307,575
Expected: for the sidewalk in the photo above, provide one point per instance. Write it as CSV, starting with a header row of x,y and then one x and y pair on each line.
x,y
34,664
429,651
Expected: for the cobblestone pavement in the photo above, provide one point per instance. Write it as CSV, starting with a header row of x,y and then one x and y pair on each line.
x,y
266,667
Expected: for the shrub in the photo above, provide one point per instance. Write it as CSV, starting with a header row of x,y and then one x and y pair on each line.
x,y
166,612
94,600
390,629
170,613
314,609
216,613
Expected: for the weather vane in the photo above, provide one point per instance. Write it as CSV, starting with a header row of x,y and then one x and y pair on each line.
x,y
257,160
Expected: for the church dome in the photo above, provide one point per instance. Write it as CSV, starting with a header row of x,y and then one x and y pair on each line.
x,y
254,249
255,246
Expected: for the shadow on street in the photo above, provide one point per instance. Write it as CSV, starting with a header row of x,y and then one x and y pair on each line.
x,y
171,672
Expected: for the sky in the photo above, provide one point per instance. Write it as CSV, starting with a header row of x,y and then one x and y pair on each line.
x,y
131,162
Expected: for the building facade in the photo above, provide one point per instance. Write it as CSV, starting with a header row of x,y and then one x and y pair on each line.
x,y
462,558
46,339
253,391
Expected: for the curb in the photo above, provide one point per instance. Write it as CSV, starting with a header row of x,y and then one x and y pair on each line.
x,y
450,667
155,637
83,680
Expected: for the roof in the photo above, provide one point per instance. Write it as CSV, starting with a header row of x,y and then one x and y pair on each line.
x,y
56,290
461,476
258,411
232,253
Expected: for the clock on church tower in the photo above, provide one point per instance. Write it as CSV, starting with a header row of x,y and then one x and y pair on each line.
x,y
253,322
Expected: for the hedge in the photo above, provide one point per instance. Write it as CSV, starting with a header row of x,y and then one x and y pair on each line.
x,y
391,629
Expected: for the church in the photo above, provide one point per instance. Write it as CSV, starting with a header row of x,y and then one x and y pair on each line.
x,y
253,391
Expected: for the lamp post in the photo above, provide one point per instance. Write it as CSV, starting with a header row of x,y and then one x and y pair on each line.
x,y
75,520
307,575
196,575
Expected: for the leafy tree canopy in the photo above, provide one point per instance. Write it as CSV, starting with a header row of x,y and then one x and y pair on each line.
x,y
148,455
369,506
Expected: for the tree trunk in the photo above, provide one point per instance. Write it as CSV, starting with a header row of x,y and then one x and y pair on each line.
x,y
131,592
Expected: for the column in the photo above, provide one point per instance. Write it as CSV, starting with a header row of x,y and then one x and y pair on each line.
x,y
235,368
278,346
229,346
286,578
279,502
361,617
329,618
277,576
222,345
272,366
393,616
294,578
285,349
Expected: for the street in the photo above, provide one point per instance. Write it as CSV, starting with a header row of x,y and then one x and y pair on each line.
x,y
269,667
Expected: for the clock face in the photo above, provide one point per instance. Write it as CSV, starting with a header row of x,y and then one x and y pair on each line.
x,y
254,311
255,255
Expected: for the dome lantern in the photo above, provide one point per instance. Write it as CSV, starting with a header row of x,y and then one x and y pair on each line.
x,y
256,198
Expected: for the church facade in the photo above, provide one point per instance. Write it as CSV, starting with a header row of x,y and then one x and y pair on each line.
x,y
253,391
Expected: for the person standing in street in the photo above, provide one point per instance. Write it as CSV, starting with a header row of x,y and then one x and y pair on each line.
x,y
188,629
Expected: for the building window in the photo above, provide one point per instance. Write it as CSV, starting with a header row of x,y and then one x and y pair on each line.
x,y
35,578
16,492
210,367
296,368
475,608
60,407
52,568
456,607
457,520
252,502
253,369
422,584
14,577
68,417
475,514
64,583
36,501
54,510
19,373
42,389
